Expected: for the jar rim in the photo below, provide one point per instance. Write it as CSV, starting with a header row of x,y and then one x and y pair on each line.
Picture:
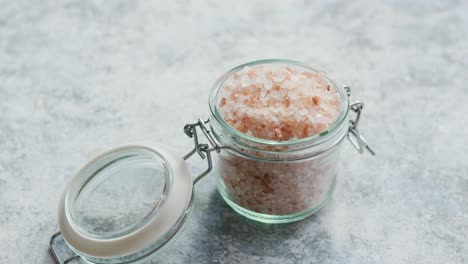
x,y
342,117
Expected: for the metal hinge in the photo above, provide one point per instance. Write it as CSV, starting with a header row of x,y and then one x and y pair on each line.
x,y
204,150
356,139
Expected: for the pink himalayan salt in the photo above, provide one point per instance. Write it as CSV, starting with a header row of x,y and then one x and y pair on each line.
x,y
278,103
278,188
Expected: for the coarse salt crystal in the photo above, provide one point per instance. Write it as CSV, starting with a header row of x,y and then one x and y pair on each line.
x,y
245,81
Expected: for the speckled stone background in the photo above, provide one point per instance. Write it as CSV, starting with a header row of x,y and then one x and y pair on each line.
x,y
77,76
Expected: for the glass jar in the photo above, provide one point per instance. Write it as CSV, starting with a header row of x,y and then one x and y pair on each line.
x,y
278,181
131,201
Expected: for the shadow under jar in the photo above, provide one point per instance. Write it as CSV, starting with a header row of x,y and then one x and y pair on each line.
x,y
279,181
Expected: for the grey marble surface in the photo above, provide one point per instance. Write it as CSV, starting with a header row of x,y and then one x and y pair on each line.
x,y
80,75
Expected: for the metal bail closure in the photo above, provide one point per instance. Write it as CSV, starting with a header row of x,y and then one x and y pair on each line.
x,y
354,136
203,150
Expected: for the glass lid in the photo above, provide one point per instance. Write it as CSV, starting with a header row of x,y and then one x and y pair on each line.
x,y
126,203
119,192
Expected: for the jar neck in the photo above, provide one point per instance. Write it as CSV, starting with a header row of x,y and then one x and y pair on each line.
x,y
243,146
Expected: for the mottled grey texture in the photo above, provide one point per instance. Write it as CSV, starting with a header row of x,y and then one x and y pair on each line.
x,y
79,75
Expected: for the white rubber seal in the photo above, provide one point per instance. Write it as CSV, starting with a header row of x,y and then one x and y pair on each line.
x,y
169,213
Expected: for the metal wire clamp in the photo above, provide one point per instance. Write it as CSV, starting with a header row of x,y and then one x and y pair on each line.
x,y
356,139
204,150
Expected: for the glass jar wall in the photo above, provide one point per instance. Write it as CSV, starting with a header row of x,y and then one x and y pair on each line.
x,y
277,181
